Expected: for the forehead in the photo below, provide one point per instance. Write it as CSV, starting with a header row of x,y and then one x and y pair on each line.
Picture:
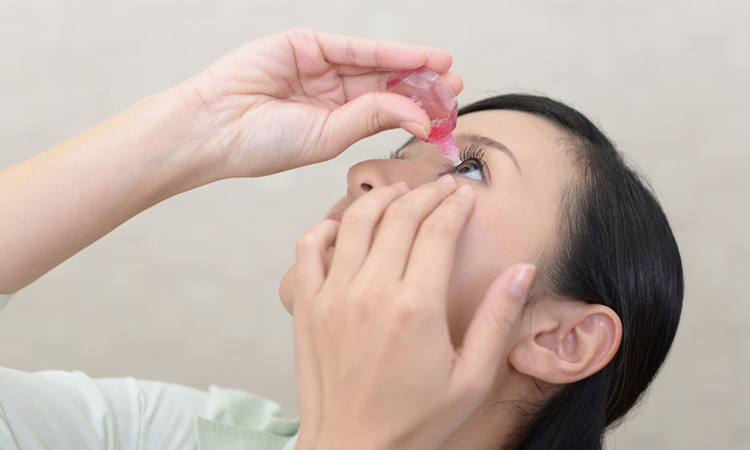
x,y
538,144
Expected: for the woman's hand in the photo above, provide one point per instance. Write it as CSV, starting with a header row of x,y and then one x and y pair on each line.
x,y
281,102
301,97
375,363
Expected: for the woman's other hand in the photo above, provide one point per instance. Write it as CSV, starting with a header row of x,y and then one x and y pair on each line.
x,y
280,102
375,364
301,97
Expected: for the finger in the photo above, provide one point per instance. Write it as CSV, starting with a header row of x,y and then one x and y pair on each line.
x,y
307,368
486,342
356,229
431,259
454,81
369,114
356,85
310,269
360,80
310,265
438,60
401,220
382,55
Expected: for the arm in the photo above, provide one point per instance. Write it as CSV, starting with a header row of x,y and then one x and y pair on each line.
x,y
61,200
281,102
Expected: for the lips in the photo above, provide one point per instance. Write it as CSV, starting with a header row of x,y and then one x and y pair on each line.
x,y
336,215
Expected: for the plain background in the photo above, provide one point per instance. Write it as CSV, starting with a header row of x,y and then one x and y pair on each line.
x,y
187,292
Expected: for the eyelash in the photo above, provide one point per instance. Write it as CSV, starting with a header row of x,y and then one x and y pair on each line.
x,y
395,154
472,153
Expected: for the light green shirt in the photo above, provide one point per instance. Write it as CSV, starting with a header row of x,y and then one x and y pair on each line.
x,y
234,420
4,299
238,420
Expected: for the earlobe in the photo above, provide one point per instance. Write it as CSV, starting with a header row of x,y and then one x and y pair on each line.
x,y
567,341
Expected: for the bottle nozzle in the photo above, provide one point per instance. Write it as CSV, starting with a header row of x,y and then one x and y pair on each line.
x,y
447,146
432,92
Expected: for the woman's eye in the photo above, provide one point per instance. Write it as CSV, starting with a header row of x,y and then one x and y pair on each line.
x,y
470,168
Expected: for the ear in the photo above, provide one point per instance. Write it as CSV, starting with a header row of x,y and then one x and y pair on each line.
x,y
566,341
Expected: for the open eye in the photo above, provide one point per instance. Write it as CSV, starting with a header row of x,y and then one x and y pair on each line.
x,y
471,168
472,163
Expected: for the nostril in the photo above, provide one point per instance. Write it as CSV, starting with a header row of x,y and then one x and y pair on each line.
x,y
366,187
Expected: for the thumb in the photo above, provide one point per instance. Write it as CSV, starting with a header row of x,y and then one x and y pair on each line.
x,y
369,114
486,344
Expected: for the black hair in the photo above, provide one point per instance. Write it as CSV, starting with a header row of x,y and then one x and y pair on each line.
x,y
614,247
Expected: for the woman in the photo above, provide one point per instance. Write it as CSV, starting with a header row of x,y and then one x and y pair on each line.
x,y
552,190
378,364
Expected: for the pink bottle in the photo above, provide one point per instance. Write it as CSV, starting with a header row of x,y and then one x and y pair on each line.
x,y
430,91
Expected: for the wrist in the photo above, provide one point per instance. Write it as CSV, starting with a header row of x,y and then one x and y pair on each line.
x,y
171,142
68,196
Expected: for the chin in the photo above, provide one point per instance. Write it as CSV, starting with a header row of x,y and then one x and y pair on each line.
x,y
286,290
286,287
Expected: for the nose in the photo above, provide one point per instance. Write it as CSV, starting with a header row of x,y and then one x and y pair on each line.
x,y
367,175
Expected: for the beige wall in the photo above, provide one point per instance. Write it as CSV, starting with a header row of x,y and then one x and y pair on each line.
x,y
186,292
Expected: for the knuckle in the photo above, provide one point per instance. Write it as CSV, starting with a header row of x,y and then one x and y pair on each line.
x,y
324,315
368,209
405,313
416,205
297,32
441,226
362,293
363,299
377,119
502,319
358,215
308,242
404,209
379,55
351,51
433,189
371,98
410,310
453,205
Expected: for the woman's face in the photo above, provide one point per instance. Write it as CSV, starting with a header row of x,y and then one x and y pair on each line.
x,y
516,164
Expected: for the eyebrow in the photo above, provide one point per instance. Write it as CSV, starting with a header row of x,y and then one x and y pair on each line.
x,y
489,142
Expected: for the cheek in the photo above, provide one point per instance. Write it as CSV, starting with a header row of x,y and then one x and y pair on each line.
x,y
485,249
286,290
286,287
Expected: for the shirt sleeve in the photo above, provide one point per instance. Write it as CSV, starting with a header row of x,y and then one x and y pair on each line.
x,y
4,299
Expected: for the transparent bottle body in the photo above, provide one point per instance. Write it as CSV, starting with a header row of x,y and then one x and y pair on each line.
x,y
433,94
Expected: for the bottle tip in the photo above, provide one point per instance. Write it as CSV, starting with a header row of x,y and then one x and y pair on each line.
x,y
449,148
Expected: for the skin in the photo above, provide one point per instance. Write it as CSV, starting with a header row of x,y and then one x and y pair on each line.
x,y
511,218
514,214
390,306
280,102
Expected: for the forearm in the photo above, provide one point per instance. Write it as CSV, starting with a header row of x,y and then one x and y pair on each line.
x,y
63,199
286,101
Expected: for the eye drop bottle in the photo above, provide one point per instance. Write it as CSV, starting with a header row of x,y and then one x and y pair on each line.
x,y
431,92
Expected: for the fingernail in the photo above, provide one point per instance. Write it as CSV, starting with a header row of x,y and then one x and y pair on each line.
x,y
446,179
464,190
519,286
401,186
414,128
